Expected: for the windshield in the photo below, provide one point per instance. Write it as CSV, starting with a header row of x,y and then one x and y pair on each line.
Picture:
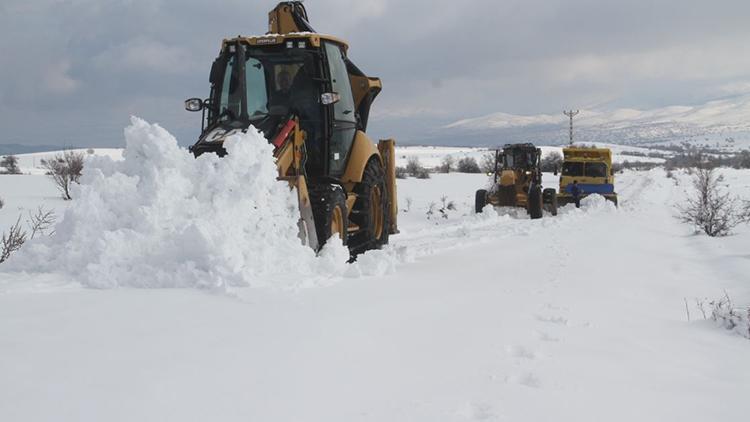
x,y
596,170
273,81
572,168
519,158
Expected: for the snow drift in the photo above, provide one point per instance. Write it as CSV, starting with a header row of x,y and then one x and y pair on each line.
x,y
160,218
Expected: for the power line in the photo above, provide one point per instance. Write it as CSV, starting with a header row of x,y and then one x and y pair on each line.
x,y
570,114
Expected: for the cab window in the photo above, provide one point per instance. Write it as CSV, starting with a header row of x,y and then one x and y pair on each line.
x,y
596,170
571,168
344,119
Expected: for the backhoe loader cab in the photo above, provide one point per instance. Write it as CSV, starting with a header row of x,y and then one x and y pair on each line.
x,y
517,182
300,89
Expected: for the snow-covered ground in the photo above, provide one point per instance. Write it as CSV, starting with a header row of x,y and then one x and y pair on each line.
x,y
432,156
579,317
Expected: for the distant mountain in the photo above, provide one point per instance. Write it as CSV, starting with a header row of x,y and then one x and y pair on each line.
x,y
13,149
713,121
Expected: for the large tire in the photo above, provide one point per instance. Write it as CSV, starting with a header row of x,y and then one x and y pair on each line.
x,y
329,212
480,200
371,210
535,202
549,197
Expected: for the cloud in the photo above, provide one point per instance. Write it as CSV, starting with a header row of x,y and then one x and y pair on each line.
x,y
57,80
144,55
439,60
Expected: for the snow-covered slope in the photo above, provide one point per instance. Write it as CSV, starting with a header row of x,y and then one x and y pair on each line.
x,y
466,317
715,120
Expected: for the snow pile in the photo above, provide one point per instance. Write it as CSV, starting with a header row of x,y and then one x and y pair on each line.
x,y
160,218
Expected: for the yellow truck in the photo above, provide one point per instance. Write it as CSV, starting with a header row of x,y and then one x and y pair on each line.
x,y
592,169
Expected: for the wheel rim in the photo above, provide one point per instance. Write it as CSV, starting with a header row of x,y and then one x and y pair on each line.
x,y
337,222
376,210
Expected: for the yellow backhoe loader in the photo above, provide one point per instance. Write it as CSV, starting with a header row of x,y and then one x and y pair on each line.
x,y
300,89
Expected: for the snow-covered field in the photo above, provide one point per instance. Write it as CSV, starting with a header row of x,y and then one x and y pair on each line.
x,y
579,317
431,156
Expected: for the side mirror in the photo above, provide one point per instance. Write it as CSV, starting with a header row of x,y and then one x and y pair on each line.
x,y
193,104
329,98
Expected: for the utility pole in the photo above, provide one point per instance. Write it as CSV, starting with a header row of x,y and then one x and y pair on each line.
x,y
570,114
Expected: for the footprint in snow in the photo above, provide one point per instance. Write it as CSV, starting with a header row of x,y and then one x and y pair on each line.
x,y
553,319
541,335
520,352
477,411
529,379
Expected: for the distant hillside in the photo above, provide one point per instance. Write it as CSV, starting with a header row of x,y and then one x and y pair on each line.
x,y
714,121
8,149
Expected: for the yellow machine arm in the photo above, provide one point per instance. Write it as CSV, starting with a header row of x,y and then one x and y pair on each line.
x,y
289,151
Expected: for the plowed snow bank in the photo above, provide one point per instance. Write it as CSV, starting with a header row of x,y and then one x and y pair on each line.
x,y
160,218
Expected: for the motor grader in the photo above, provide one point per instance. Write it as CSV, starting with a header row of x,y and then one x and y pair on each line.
x,y
300,89
517,182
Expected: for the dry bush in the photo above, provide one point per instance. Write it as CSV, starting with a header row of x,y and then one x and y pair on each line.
x,y
552,162
2,203
422,173
448,164
39,223
10,163
487,162
414,167
710,209
65,169
468,165
12,240
401,173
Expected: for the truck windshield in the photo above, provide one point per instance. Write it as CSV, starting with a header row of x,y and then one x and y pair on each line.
x,y
596,170
273,81
572,168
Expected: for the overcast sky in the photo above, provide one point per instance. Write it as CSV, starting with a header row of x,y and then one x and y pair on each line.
x,y
72,72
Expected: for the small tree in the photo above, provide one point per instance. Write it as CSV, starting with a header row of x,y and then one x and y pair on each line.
x,y
414,167
552,162
468,165
714,212
65,169
10,162
12,240
40,223
447,164
487,162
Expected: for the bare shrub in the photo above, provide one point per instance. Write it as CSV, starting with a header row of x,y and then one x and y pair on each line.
x,y
12,240
2,203
401,173
65,169
40,223
10,163
447,164
726,314
413,166
710,209
552,162
422,173
487,162
409,202
468,165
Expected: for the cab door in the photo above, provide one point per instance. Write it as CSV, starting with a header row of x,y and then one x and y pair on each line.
x,y
344,125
